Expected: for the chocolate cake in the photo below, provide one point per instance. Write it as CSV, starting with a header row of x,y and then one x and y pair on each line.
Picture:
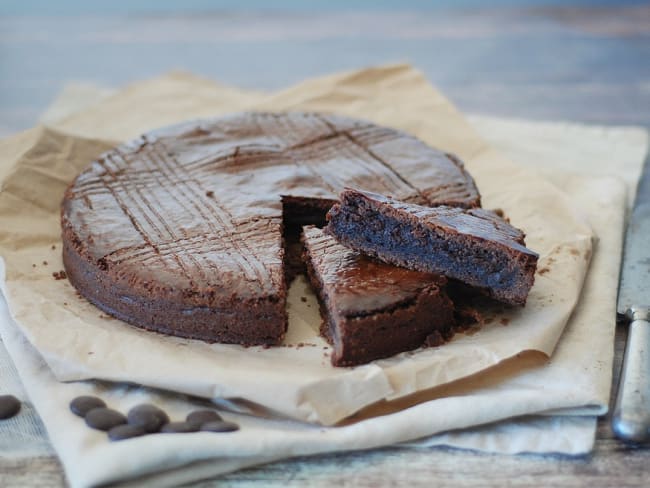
x,y
181,230
474,246
371,309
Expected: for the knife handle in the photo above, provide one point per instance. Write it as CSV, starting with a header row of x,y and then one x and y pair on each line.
x,y
631,419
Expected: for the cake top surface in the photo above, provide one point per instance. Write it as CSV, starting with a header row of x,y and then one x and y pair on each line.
x,y
357,285
478,223
195,210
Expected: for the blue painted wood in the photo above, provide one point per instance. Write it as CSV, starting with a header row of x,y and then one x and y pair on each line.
x,y
75,7
585,64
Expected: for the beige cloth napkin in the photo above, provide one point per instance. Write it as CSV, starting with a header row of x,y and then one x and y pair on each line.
x,y
297,382
504,438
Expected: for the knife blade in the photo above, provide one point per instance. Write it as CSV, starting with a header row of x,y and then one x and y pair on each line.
x,y
631,417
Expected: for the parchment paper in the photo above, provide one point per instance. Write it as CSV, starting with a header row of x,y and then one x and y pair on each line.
x,y
79,342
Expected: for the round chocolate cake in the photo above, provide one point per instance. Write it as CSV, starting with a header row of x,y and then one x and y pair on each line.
x,y
182,230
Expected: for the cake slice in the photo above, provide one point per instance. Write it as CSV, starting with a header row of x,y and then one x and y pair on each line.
x,y
474,246
371,309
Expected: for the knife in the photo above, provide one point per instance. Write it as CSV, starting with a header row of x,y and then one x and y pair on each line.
x,y
631,418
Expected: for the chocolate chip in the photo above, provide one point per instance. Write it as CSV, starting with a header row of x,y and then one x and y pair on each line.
x,y
104,418
83,404
219,426
9,406
125,431
178,428
147,416
200,417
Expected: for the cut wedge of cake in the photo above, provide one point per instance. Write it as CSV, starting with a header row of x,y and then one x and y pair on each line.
x,y
474,246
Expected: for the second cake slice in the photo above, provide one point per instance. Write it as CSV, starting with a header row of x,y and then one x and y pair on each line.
x,y
474,246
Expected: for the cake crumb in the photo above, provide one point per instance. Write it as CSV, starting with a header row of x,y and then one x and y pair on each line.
x,y
209,194
303,299
542,271
33,265
467,316
60,275
65,304
53,247
504,321
501,214
44,263
574,252
434,339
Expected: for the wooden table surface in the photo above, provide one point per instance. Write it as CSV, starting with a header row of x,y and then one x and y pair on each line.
x,y
585,63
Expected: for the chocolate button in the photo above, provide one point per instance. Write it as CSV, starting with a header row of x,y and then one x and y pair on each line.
x,y
83,404
147,416
200,417
178,428
104,418
9,406
125,431
219,426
